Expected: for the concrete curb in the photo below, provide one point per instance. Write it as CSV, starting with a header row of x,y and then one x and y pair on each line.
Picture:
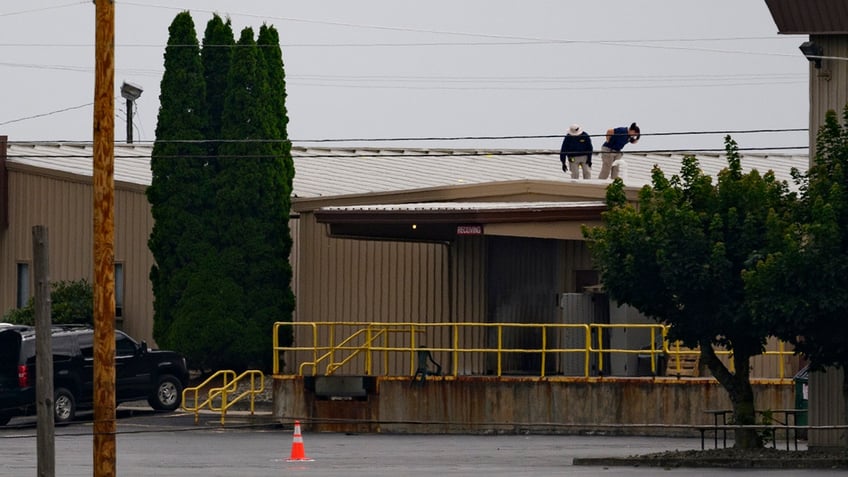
x,y
700,462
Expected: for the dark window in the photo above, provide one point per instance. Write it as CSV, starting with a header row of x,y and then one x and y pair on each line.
x,y
119,290
22,296
64,347
124,346
86,344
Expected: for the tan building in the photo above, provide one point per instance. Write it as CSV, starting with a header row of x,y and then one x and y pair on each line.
x,y
51,185
826,46
380,235
395,236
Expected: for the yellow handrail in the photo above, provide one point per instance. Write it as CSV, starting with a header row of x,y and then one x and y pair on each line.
x,y
224,391
225,375
230,383
461,341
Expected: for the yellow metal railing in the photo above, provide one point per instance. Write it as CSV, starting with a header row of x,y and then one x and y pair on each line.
x,y
369,339
220,398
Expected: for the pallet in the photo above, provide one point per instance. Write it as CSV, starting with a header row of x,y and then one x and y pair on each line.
x,y
690,360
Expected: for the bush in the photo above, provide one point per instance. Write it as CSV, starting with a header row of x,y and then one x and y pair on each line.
x,y
71,302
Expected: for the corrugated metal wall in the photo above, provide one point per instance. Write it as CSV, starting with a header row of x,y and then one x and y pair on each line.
x,y
826,407
828,83
364,281
370,281
64,203
468,297
523,287
827,91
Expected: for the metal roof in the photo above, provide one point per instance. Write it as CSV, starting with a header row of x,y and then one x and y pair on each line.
x,y
132,163
820,17
330,172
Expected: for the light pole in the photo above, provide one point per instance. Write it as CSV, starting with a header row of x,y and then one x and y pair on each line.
x,y
130,92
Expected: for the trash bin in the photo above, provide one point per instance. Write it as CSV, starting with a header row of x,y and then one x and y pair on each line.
x,y
802,394
643,363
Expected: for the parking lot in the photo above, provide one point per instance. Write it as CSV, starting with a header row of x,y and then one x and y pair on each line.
x,y
171,444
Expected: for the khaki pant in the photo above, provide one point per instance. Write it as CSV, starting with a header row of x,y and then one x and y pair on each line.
x,y
608,156
577,164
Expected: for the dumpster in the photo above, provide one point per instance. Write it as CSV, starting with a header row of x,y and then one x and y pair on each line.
x,y
802,394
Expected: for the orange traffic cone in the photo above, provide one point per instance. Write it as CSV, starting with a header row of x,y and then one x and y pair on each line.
x,y
298,453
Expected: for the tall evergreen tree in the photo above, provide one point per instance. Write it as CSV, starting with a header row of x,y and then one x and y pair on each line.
x,y
180,189
221,239
218,42
269,44
244,287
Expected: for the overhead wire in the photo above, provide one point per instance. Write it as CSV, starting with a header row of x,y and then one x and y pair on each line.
x,y
339,81
414,153
42,9
444,138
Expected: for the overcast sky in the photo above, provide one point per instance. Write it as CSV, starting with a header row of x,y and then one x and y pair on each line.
x,y
369,69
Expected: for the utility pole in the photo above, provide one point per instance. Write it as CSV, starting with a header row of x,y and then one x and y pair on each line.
x,y
46,439
105,454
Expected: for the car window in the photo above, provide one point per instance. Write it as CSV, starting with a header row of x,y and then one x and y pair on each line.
x,y
64,347
86,344
124,346
10,346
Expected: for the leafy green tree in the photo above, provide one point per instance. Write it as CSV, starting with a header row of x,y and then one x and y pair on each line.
x,y
216,55
678,258
180,192
71,302
802,288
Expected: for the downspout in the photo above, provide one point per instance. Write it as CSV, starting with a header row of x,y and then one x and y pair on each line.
x,y
4,184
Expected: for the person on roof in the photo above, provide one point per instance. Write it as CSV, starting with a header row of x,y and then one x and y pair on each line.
x,y
616,139
577,151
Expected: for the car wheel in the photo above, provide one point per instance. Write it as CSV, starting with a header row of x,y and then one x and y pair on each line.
x,y
4,419
64,406
168,394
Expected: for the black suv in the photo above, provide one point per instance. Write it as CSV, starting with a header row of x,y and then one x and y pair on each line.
x,y
140,373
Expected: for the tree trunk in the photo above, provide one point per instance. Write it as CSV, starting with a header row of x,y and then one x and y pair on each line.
x,y
740,392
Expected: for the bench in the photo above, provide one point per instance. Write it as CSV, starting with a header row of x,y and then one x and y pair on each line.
x,y
769,415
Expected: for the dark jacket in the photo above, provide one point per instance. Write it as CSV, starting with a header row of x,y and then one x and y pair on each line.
x,y
573,146
620,137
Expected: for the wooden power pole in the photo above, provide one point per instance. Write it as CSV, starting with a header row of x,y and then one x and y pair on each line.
x,y
46,449
105,455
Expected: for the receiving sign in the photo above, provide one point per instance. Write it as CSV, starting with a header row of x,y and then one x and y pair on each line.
x,y
469,230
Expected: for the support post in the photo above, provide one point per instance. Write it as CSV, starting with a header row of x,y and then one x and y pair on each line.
x,y
105,454
46,439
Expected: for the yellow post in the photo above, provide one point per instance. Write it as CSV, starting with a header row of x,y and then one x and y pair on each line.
x,y
588,350
544,346
500,346
600,349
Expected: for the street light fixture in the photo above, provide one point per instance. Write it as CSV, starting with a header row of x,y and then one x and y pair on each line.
x,y
812,51
130,92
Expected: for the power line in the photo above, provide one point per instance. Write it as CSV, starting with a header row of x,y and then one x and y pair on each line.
x,y
46,114
619,43
386,44
416,154
433,138
35,10
541,136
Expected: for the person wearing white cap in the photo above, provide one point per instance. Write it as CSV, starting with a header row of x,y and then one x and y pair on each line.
x,y
577,151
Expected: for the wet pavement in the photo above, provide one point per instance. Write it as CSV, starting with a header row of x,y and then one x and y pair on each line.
x,y
172,445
